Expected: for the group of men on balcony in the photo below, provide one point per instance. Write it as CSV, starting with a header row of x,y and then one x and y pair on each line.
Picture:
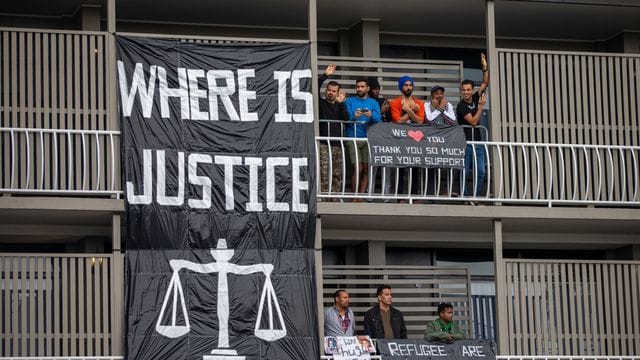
x,y
383,321
365,108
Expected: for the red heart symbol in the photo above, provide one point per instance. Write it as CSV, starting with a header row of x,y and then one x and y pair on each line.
x,y
415,135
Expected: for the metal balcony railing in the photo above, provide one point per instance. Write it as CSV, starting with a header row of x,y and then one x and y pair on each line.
x,y
60,162
524,173
59,304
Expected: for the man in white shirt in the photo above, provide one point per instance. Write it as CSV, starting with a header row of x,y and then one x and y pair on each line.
x,y
439,110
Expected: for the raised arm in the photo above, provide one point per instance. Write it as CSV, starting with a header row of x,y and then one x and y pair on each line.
x,y
485,74
330,70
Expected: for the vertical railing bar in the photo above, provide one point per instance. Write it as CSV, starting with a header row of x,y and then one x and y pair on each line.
x,y
535,150
318,187
425,187
113,163
437,194
526,172
488,160
575,172
357,168
624,174
344,163
330,179
635,176
395,187
463,177
550,191
84,160
610,195
41,187
475,173
28,147
69,163
98,162
13,159
562,177
449,181
588,180
597,197
55,161
384,183
500,186
513,170
369,170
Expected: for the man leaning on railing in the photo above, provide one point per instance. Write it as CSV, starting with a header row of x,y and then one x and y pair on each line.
x,y
362,111
407,109
438,111
469,112
332,107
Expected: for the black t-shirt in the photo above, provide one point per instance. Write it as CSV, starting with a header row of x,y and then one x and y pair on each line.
x,y
329,111
472,134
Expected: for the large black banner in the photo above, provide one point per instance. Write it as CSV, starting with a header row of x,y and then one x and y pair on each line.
x,y
426,350
408,145
220,182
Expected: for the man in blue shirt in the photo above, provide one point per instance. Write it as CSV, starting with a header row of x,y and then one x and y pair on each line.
x,y
362,111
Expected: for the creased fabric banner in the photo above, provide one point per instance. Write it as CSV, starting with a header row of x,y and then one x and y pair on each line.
x,y
218,166
427,350
408,145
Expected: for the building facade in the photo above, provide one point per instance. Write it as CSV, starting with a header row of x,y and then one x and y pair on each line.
x,y
548,255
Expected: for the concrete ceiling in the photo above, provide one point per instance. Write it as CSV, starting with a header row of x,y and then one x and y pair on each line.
x,y
587,20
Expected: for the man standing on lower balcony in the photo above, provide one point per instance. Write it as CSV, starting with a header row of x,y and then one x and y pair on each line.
x,y
383,321
338,319
469,112
332,112
444,328
362,111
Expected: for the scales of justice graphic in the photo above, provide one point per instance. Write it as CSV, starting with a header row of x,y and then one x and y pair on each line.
x,y
223,267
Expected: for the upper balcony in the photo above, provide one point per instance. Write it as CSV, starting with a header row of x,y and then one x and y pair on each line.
x,y
59,133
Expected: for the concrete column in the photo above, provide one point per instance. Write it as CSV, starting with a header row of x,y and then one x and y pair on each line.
x,y
113,120
118,282
626,42
343,38
494,80
632,42
319,282
364,39
88,17
313,39
494,83
111,16
377,252
502,336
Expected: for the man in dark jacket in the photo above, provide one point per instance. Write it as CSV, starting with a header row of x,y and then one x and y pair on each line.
x,y
384,321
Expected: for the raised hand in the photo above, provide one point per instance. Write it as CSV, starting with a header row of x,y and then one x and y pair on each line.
x,y
330,70
342,96
483,99
385,106
483,61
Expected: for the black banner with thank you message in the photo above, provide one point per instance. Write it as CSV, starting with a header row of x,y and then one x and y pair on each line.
x,y
217,144
408,145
